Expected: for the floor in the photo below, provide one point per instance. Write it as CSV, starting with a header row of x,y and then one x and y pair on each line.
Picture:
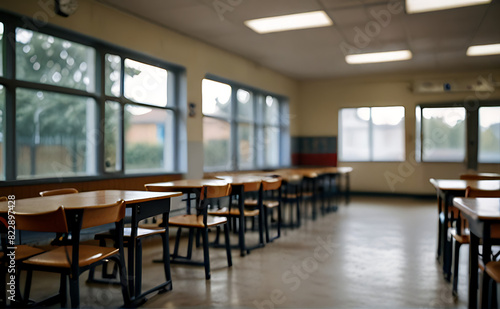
x,y
374,253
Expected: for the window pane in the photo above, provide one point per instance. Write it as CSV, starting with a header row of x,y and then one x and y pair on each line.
x,y
2,131
148,133
145,83
354,133
216,140
112,67
216,98
112,137
443,132
1,49
388,133
49,60
245,105
53,134
272,144
272,111
246,146
489,134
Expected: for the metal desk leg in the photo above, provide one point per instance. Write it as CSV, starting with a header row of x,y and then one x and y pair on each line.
x,y
473,269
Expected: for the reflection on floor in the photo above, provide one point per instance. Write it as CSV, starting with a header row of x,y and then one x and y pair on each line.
x,y
377,252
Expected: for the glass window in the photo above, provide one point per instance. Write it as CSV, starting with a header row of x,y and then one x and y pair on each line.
x,y
271,110
489,134
272,146
45,59
145,83
372,134
52,137
216,98
148,139
2,132
112,73
112,149
246,145
216,143
245,105
443,134
1,48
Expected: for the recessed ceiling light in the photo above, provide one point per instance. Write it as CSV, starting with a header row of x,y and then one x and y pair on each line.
x,y
483,50
398,55
420,6
289,22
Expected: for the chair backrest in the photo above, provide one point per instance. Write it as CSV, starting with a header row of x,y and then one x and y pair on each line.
x,y
103,214
271,184
58,191
50,221
3,199
215,191
471,192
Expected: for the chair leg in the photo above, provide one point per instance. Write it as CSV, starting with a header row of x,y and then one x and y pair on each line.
x,y
266,224
63,292
177,240
190,243
206,255
166,258
456,264
27,286
123,280
74,291
279,221
138,267
228,246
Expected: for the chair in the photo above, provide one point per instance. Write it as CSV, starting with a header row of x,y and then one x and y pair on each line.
x,y
252,211
461,234
72,260
270,195
58,192
202,222
22,252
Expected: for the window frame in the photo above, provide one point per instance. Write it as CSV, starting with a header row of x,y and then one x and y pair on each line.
x,y
471,159
175,86
284,151
370,136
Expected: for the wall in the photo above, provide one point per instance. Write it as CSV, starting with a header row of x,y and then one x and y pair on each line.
x,y
100,21
321,100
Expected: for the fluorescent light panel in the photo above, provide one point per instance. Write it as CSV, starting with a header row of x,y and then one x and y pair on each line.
x,y
420,6
398,55
483,50
289,22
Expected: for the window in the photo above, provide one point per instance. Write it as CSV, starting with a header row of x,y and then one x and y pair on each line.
x,y
70,119
443,134
489,134
459,132
372,134
243,128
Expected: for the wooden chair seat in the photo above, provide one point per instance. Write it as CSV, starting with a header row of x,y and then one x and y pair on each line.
x,y
493,270
195,221
61,257
463,238
268,204
234,212
24,252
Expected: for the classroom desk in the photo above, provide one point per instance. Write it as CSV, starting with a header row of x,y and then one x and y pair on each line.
x,y
480,176
143,205
446,190
483,214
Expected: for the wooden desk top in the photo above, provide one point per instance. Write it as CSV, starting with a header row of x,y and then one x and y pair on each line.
x,y
460,184
481,208
480,176
243,179
84,199
184,184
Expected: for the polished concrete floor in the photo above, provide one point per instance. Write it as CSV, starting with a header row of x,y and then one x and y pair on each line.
x,y
374,253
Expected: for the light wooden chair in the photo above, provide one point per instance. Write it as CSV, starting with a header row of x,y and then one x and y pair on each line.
x,y
58,191
22,252
461,233
72,260
202,222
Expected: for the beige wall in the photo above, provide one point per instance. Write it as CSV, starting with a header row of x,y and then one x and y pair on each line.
x,y
319,104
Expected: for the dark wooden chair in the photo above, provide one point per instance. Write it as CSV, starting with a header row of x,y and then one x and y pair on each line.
x,y
72,260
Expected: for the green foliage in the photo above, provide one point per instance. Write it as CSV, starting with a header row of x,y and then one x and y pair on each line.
x,y
216,153
143,156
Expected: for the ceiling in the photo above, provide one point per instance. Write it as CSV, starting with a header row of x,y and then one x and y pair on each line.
x,y
438,39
